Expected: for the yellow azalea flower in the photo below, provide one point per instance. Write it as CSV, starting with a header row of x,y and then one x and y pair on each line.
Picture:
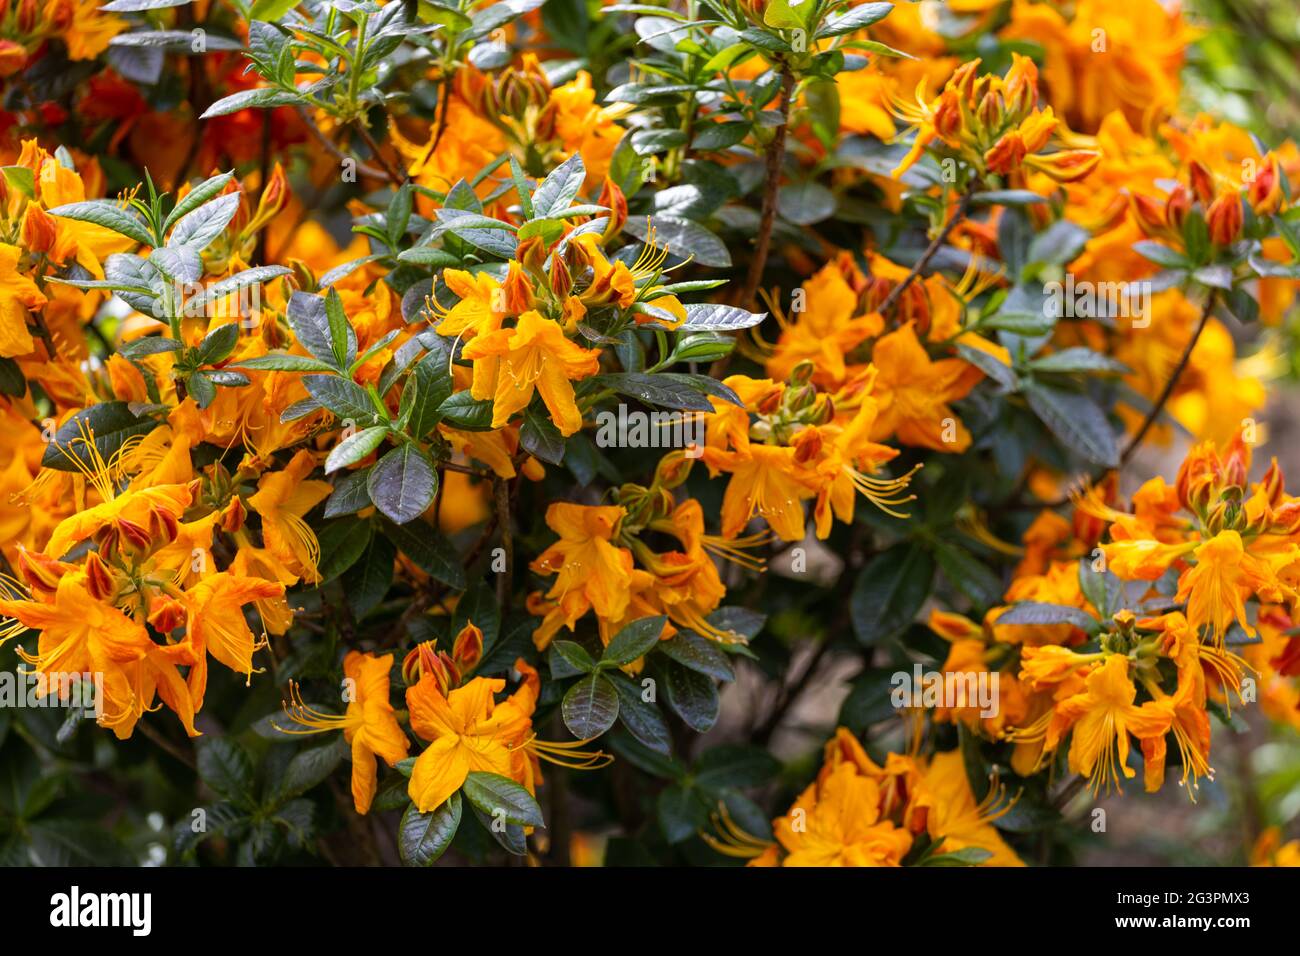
x,y
1223,576
953,815
767,481
1101,718
215,625
82,635
467,732
282,498
829,328
510,364
1143,559
837,822
912,392
18,293
369,725
592,572
481,308
846,468
139,517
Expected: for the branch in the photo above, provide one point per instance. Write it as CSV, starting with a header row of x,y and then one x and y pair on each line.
x,y
1136,441
772,172
396,174
325,141
963,206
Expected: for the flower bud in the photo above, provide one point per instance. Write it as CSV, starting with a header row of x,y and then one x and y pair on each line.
x,y
1224,217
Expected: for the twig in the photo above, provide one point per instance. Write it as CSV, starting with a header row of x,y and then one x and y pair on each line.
x,y
396,174
775,159
963,206
1136,441
167,745
362,168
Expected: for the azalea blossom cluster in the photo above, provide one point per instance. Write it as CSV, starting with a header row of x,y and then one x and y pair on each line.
x,y
300,377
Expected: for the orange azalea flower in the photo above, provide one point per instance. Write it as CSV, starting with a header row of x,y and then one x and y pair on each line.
x,y
216,625
839,824
82,635
282,498
912,392
767,481
467,732
510,363
369,725
592,572
18,293
1101,718
1215,588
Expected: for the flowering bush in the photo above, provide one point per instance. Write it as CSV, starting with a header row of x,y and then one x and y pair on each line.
x,y
501,428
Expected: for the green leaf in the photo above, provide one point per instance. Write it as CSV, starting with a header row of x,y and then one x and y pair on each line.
x,y
260,98
284,362
656,389
355,447
111,424
558,190
539,437
641,718
992,367
855,19
225,768
402,483
423,837
1041,612
196,197
568,658
889,592
462,410
708,317
103,212
681,813
342,543
1161,255
698,654
342,345
633,641
788,14
345,398
691,695
429,550
590,707
805,203
197,229
312,325
968,574
735,765
1076,420
367,581
500,796
217,344
308,768
1078,359
683,238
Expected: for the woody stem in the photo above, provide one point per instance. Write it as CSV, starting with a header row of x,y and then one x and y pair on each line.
x,y
963,206
1136,441
775,159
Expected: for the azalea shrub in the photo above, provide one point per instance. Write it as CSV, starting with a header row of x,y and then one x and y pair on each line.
x,y
694,431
